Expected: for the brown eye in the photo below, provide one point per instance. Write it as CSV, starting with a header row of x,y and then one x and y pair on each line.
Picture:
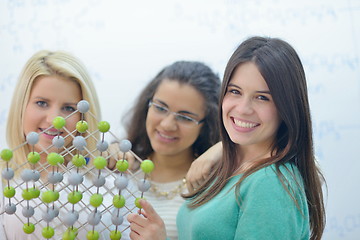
x,y
263,98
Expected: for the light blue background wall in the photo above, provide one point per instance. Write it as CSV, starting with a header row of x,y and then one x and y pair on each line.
x,y
125,43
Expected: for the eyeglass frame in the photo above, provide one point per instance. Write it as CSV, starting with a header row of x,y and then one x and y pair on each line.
x,y
166,111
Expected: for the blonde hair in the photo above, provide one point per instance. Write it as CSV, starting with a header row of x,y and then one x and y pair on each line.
x,y
46,63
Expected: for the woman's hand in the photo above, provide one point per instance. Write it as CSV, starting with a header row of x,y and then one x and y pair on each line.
x,y
148,226
116,154
201,167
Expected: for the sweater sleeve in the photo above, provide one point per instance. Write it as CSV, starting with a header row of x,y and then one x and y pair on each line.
x,y
267,211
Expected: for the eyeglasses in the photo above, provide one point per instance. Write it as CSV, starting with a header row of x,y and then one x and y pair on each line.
x,y
180,118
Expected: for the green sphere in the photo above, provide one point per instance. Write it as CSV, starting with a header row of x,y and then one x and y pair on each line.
x,y
54,158
115,235
74,197
9,192
118,201
92,235
122,165
56,195
96,199
100,162
61,159
35,192
69,235
33,157
48,196
137,202
103,126
6,155
82,126
147,166
28,228
27,194
48,232
59,122
78,160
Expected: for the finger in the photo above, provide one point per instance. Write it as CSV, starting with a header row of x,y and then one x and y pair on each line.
x,y
133,164
190,186
150,213
136,228
134,235
136,219
111,163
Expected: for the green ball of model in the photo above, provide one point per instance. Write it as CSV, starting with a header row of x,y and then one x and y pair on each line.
x,y
137,202
28,228
115,235
34,192
6,155
82,126
100,162
75,197
48,232
27,194
48,196
56,195
103,126
96,200
9,192
54,159
118,201
59,122
147,166
92,235
69,235
78,160
122,165
33,157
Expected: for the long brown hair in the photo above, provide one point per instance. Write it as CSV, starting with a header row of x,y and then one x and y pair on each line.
x,y
283,72
195,74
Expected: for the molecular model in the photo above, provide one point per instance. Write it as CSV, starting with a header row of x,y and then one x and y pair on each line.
x,y
74,195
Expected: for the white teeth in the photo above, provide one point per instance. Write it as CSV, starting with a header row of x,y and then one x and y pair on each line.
x,y
164,136
244,124
52,133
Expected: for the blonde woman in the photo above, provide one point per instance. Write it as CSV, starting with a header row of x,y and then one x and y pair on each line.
x,y
53,66
50,85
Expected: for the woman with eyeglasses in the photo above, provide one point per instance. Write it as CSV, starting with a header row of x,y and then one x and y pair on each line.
x,y
173,122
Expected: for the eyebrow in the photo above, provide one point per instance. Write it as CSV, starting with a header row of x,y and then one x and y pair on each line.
x,y
260,91
46,99
181,112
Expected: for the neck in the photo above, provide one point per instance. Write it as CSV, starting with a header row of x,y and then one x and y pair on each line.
x,y
248,156
169,168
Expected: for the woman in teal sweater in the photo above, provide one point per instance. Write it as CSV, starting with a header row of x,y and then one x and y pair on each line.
x,y
267,186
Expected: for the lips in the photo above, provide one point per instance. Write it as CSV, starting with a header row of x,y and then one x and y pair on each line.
x,y
243,124
50,133
166,138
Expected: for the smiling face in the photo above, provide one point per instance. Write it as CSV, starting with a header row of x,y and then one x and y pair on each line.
x,y
167,135
51,96
249,113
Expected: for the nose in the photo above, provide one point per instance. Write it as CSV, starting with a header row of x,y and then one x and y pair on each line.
x,y
169,123
51,114
245,106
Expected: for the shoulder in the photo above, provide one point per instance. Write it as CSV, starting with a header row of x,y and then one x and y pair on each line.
x,y
271,180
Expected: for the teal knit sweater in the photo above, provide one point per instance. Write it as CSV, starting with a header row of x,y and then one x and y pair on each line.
x,y
266,212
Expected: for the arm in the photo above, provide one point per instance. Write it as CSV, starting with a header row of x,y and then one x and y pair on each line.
x,y
201,167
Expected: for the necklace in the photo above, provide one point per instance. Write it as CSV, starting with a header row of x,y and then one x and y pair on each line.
x,y
168,194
